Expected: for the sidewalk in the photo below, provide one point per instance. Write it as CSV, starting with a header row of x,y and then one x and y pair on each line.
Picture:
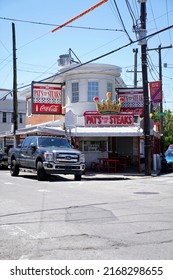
x,y
129,175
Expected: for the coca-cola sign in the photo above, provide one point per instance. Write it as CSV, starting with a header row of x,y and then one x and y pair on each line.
x,y
46,98
133,100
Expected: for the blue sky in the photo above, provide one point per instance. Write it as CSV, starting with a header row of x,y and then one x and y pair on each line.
x,y
38,48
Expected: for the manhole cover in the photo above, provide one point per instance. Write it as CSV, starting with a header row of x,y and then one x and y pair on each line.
x,y
146,192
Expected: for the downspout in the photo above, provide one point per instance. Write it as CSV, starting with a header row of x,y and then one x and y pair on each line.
x,y
139,159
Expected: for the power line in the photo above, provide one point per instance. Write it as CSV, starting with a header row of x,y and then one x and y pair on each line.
x,y
99,57
131,13
154,18
135,8
122,21
68,26
111,52
168,19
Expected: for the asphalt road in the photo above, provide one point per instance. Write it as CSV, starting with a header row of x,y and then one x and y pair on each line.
x,y
92,219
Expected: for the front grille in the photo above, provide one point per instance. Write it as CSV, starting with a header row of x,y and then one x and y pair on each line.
x,y
67,158
66,167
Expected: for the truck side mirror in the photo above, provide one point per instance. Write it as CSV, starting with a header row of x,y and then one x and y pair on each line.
x,y
33,146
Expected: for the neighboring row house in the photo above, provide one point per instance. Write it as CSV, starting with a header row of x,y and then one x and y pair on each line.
x,y
6,116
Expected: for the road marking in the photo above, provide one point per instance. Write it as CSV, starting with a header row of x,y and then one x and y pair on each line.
x,y
43,190
8,183
25,232
24,257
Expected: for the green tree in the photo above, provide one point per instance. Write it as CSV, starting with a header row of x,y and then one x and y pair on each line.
x,y
167,126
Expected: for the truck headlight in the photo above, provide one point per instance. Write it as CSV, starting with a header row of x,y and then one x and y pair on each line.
x,y
82,158
48,156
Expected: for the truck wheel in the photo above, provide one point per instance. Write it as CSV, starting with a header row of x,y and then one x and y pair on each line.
x,y
40,171
77,177
14,168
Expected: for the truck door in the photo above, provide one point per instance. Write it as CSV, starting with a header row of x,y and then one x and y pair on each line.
x,y
31,154
23,156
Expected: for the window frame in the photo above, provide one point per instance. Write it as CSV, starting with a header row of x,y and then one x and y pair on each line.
x,y
93,90
110,87
4,117
20,118
75,92
29,107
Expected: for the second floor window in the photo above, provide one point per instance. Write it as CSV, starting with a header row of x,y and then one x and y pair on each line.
x,y
29,107
75,92
20,118
12,118
93,90
109,87
4,117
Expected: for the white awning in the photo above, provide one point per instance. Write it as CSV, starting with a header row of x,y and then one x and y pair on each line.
x,y
129,131
41,129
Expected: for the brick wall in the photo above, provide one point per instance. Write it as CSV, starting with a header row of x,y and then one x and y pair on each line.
x,y
38,119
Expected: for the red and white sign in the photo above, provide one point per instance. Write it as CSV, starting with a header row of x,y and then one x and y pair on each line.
x,y
155,91
133,100
93,118
46,98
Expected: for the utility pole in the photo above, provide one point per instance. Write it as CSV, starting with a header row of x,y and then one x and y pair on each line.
x,y
159,49
15,104
135,71
143,43
135,67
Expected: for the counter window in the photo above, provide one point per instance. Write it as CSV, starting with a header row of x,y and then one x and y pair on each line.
x,y
95,146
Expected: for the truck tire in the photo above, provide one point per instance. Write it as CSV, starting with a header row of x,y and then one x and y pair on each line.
x,y
77,177
40,171
14,168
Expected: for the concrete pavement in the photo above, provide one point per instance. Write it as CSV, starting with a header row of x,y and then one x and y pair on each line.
x,y
90,175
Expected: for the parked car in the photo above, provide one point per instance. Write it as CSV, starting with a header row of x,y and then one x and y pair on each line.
x,y
167,161
3,159
170,147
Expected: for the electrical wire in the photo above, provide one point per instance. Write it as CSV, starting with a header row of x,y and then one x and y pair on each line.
x,y
154,19
5,58
4,46
131,13
168,20
106,54
113,10
117,38
119,14
151,63
135,8
150,68
51,24
99,57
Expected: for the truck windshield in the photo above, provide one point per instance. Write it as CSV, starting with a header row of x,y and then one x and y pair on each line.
x,y
53,142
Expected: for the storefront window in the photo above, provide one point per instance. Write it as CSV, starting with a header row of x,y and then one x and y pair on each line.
x,y
93,146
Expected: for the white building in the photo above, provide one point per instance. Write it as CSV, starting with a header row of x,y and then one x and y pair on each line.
x,y
81,83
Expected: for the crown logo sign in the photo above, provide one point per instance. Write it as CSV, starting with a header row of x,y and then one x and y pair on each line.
x,y
108,106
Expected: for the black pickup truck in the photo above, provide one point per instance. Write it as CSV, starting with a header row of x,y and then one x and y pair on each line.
x,y
46,155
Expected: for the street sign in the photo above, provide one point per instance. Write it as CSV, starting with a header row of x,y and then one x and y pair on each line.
x,y
161,114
